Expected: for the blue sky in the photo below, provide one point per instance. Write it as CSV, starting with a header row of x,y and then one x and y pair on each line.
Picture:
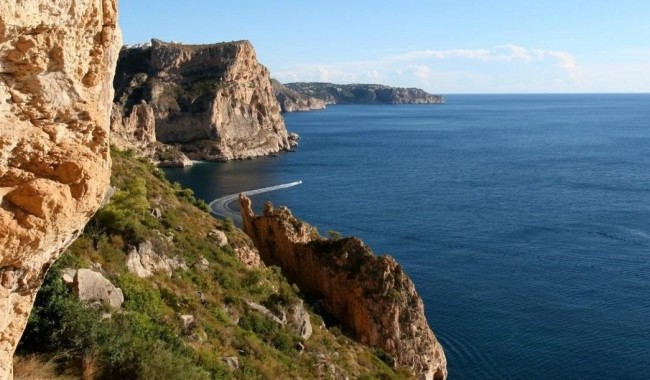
x,y
452,46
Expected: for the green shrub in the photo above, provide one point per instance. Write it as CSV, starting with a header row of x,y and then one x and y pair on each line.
x,y
334,235
258,323
60,322
127,212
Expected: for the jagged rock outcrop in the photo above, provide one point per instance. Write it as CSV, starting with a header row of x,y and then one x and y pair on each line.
x,y
364,93
138,129
370,295
57,60
294,316
248,256
298,320
145,261
166,156
215,102
293,101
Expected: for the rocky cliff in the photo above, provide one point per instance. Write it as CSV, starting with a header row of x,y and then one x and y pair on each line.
x,y
57,62
215,102
369,295
293,101
364,93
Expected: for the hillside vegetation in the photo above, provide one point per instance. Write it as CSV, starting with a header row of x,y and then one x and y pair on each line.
x,y
364,93
151,336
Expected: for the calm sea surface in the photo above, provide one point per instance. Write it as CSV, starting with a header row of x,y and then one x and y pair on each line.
x,y
524,220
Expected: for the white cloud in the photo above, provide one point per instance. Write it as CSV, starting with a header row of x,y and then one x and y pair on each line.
x,y
422,72
502,68
616,77
500,53
373,76
323,74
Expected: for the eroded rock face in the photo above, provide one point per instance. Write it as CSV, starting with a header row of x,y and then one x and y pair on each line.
x,y
370,295
145,261
137,130
215,101
57,61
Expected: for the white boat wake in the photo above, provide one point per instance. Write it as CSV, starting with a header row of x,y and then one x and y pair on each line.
x,y
220,206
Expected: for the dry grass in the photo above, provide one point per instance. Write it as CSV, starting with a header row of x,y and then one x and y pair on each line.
x,y
33,367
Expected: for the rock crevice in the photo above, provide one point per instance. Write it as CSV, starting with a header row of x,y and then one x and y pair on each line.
x,y
369,295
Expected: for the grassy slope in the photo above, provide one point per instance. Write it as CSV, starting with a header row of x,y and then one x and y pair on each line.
x,y
146,339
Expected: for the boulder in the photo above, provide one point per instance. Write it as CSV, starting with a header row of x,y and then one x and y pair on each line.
x,y
202,265
91,286
187,320
219,237
298,320
68,276
232,362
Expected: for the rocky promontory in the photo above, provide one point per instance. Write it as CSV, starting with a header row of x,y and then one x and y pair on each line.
x,y
369,295
332,93
57,60
293,101
214,102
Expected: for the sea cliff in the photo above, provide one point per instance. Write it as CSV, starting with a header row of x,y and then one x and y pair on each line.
x,y
368,294
214,102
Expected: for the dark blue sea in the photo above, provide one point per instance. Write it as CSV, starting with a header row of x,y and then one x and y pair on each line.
x,y
524,220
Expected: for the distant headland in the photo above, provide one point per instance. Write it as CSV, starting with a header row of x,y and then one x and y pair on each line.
x,y
305,96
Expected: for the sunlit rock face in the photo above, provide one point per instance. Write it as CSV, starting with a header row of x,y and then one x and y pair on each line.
x,y
370,295
57,61
215,101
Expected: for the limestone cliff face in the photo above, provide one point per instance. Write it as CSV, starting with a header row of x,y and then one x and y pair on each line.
x,y
136,130
370,295
294,101
57,60
215,101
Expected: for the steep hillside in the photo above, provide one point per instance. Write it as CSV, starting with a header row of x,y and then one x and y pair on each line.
x,y
215,101
364,93
183,296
